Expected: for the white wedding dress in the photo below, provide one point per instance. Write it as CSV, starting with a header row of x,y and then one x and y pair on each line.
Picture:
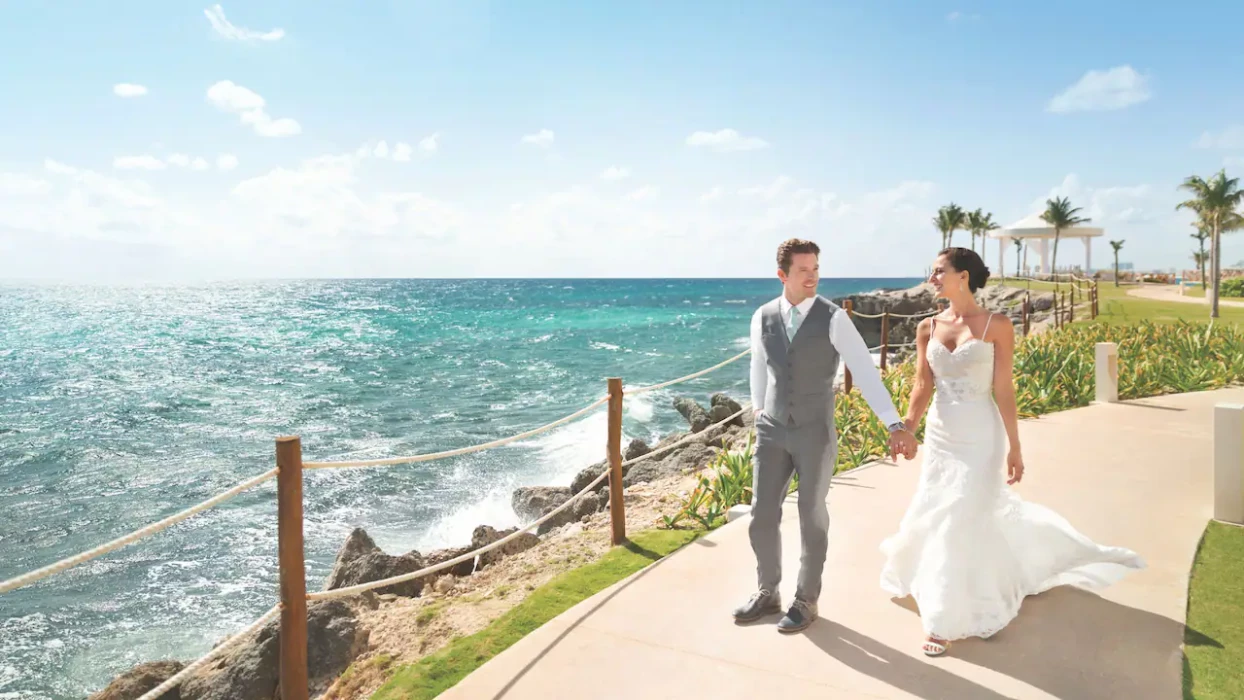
x,y
968,549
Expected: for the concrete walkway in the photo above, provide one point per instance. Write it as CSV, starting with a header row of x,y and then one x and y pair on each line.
x,y
1136,474
1164,292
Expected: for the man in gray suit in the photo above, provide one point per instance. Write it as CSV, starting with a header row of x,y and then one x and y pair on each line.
x,y
797,343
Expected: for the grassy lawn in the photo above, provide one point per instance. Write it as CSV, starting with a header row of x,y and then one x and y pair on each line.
x,y
1214,638
1117,306
438,672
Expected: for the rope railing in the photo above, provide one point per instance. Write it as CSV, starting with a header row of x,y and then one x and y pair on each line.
x,y
219,649
294,597
476,553
70,562
432,456
689,377
891,314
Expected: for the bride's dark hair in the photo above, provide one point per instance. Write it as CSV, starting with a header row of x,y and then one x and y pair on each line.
x,y
966,260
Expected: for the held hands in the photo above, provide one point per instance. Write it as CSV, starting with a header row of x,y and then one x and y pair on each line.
x,y
1014,467
902,441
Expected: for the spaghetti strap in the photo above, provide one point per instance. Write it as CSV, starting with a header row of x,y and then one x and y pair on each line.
x,y
985,333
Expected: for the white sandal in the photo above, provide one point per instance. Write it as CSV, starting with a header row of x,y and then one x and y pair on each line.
x,y
932,648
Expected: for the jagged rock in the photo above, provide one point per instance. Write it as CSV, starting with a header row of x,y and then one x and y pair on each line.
x,y
485,535
922,299
139,680
531,502
732,407
361,561
636,449
695,414
692,457
462,568
588,475
250,671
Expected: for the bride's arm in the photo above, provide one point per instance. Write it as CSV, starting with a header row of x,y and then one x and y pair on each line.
x,y
922,391
1004,378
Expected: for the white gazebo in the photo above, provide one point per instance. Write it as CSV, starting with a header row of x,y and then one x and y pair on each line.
x,y
1034,229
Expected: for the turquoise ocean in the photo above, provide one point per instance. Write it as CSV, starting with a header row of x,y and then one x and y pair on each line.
x,y
121,405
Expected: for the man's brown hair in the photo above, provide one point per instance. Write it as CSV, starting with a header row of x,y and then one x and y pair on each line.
x,y
790,248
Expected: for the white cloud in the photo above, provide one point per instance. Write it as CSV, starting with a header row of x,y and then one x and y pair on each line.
x,y
1117,88
770,191
249,106
542,138
226,161
149,162
128,90
645,192
143,162
381,150
726,140
227,30
321,199
1143,215
20,185
326,218
614,173
1231,137
430,144
712,195
402,151
960,16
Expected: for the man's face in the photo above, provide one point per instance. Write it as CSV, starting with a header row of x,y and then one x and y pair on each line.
x,y
801,281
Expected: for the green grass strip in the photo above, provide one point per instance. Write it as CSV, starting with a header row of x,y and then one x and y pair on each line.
x,y
434,674
1214,638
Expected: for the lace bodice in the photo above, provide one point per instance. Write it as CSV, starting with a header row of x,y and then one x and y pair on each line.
x,y
965,374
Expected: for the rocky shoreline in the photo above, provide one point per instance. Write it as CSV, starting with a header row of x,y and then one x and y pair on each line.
x,y
922,299
337,635
343,631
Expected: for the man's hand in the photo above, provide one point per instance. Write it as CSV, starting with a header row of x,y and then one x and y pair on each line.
x,y
902,441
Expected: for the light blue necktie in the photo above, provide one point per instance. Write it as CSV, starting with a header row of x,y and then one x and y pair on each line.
x,y
793,326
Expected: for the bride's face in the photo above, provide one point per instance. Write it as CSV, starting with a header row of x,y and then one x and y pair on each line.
x,y
946,280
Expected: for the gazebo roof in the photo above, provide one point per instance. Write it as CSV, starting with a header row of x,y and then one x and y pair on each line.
x,y
1033,226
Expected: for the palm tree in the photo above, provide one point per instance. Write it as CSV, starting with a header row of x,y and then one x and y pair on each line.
x,y
949,219
1060,214
1019,247
1216,202
980,223
1117,245
1201,257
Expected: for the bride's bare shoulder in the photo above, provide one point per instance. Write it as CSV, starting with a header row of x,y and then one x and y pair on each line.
x,y
1000,328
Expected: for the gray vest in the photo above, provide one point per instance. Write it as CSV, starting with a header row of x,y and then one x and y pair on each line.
x,y
800,388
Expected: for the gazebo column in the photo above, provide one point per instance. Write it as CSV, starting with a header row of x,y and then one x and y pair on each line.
x,y
1044,252
1088,254
1002,244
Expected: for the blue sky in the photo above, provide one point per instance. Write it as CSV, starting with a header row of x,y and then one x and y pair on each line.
x,y
593,139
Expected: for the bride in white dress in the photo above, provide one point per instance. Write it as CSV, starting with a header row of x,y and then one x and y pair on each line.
x,y
968,549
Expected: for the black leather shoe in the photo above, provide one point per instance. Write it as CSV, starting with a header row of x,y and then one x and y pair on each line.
x,y
798,618
761,603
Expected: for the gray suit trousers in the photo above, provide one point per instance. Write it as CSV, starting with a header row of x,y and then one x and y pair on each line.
x,y
810,450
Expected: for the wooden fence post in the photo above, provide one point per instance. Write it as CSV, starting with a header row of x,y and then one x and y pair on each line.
x,y
617,508
885,337
849,306
293,652
1071,308
1027,312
